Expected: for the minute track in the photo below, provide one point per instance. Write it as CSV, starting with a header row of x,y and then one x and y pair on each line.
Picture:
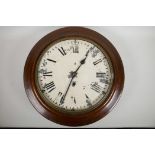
x,y
59,66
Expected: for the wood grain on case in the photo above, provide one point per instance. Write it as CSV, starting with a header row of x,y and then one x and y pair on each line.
x,y
66,118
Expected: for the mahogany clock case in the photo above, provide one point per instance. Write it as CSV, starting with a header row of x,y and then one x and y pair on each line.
x,y
61,117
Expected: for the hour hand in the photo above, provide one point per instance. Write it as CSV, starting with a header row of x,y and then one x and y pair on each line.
x,y
83,61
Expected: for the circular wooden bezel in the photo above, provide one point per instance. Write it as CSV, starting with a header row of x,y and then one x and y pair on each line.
x,y
66,118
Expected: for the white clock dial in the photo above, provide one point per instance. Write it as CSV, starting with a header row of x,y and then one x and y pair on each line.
x,y
74,74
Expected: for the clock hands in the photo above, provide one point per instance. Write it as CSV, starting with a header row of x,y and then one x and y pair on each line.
x,y
81,63
73,75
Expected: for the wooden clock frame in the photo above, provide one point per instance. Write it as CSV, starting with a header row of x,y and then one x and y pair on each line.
x,y
66,118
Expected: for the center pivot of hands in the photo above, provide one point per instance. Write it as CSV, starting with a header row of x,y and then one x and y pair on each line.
x,y
72,74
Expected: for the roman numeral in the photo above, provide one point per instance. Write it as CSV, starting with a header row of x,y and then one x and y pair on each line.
x,y
96,87
91,48
47,74
62,51
88,101
75,48
44,63
102,77
50,86
89,104
60,93
104,81
86,96
58,96
62,100
95,52
98,61
51,60
74,100
100,74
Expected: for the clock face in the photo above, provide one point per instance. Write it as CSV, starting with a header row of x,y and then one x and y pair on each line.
x,y
74,74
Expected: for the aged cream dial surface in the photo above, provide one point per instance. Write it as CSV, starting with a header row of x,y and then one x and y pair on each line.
x,y
74,74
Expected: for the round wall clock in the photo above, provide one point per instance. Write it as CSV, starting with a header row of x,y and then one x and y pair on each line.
x,y
73,76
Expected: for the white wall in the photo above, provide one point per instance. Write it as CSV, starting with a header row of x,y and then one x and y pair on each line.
x,y
136,46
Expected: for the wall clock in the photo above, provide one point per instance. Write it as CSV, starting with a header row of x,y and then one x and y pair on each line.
x,y
73,76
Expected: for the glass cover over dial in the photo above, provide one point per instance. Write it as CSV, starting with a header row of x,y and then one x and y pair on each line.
x,y
74,74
